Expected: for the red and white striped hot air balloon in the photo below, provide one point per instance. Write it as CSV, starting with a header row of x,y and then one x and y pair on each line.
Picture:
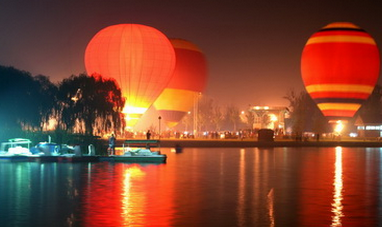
x,y
340,66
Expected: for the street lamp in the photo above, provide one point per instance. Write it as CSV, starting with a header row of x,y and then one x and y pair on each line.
x,y
159,118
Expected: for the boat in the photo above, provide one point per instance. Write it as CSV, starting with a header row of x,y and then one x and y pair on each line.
x,y
134,151
15,150
139,151
60,153
20,150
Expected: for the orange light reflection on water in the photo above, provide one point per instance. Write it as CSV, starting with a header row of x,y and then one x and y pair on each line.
x,y
127,195
132,201
337,207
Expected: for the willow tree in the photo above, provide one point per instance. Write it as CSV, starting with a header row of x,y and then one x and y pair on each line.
x,y
89,103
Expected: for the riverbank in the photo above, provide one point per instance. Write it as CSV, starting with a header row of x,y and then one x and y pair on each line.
x,y
184,143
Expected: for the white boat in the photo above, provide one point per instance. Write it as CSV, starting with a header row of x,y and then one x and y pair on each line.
x,y
19,149
139,151
15,150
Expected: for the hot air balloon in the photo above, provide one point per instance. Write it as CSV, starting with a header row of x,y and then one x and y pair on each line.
x,y
140,58
190,77
340,67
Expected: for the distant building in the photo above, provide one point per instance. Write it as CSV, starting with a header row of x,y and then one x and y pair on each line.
x,y
369,126
271,117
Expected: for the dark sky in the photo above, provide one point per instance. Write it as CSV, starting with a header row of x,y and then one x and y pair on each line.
x,y
253,48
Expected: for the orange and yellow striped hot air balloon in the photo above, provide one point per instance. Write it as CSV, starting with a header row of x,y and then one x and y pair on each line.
x,y
340,66
189,79
140,58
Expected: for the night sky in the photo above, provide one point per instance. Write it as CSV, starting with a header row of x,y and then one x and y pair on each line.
x,y
253,48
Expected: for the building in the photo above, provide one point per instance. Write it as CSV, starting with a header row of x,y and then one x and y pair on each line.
x,y
369,126
271,117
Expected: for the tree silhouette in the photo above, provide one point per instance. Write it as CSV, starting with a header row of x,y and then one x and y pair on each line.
x,y
371,109
305,115
88,103
25,101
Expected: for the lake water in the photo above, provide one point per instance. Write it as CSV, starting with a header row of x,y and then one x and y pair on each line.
x,y
200,187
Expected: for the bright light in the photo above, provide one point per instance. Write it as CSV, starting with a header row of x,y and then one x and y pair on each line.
x,y
339,127
134,110
273,117
261,107
133,114
77,96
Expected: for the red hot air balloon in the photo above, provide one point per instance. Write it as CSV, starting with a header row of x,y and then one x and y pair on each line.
x,y
190,77
140,58
340,66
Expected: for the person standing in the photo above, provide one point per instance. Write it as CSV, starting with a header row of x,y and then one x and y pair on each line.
x,y
148,134
111,150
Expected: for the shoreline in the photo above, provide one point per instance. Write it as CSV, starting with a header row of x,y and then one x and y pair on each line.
x,y
208,143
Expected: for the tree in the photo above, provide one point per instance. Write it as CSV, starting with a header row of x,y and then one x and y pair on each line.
x,y
88,103
46,100
217,117
204,112
250,119
233,115
25,101
305,115
371,109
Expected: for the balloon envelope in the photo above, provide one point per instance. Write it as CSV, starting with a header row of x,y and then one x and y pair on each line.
x,y
140,58
340,67
190,77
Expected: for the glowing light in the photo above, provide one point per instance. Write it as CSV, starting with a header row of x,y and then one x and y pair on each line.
x,y
273,117
77,96
261,107
339,127
132,109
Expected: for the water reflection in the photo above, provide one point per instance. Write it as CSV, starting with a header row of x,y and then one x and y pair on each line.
x,y
127,195
241,191
34,194
200,187
132,201
337,207
271,212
